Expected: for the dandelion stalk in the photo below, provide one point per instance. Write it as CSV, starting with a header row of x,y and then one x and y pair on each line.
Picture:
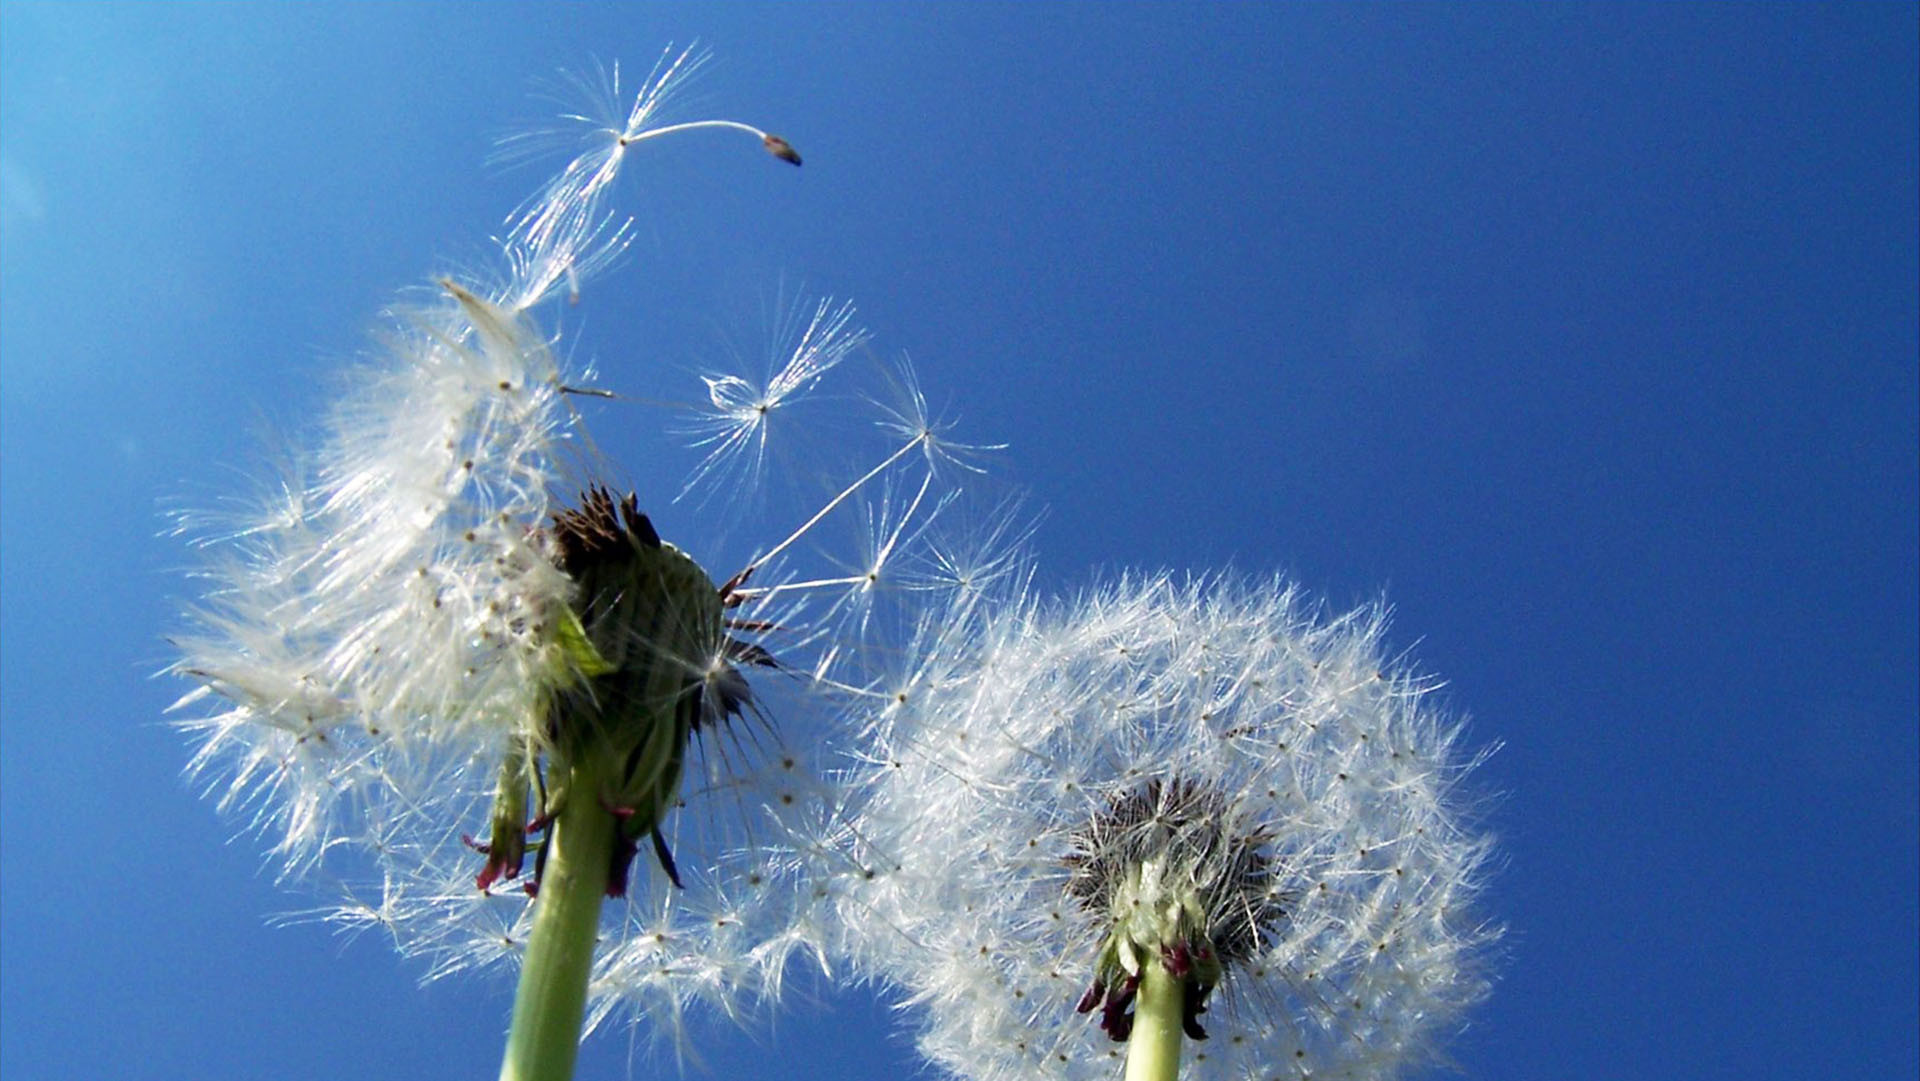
x,y
629,699
551,1002
775,145
1153,1050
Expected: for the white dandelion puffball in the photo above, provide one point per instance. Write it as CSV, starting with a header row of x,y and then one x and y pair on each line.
x,y
1216,778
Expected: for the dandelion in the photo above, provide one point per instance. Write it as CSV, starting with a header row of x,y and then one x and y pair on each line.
x,y
1201,820
450,672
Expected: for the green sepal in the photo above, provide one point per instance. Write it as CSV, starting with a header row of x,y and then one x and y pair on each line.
x,y
507,824
577,652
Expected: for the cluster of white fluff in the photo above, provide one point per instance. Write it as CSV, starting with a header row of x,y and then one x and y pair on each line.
x,y
376,632
994,773
386,592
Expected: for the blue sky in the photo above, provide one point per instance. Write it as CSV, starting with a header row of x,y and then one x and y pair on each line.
x,y
1588,334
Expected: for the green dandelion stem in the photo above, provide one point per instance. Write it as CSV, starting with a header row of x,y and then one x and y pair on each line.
x,y
1153,1048
551,1003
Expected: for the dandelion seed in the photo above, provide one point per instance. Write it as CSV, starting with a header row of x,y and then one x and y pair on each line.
x,y
557,221
737,420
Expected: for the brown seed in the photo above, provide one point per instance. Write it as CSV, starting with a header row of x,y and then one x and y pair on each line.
x,y
781,149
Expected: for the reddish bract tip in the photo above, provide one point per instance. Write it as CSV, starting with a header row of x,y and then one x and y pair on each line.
x,y
621,865
1176,959
1116,1014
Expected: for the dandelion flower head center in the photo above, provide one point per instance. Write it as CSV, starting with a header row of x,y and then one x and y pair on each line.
x,y
1177,883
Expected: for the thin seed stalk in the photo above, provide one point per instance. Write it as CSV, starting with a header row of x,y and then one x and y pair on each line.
x,y
550,1005
1153,1047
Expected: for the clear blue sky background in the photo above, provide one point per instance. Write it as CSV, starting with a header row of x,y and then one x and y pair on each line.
x,y
1588,333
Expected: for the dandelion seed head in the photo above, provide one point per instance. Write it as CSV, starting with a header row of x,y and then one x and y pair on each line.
x,y
1217,778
